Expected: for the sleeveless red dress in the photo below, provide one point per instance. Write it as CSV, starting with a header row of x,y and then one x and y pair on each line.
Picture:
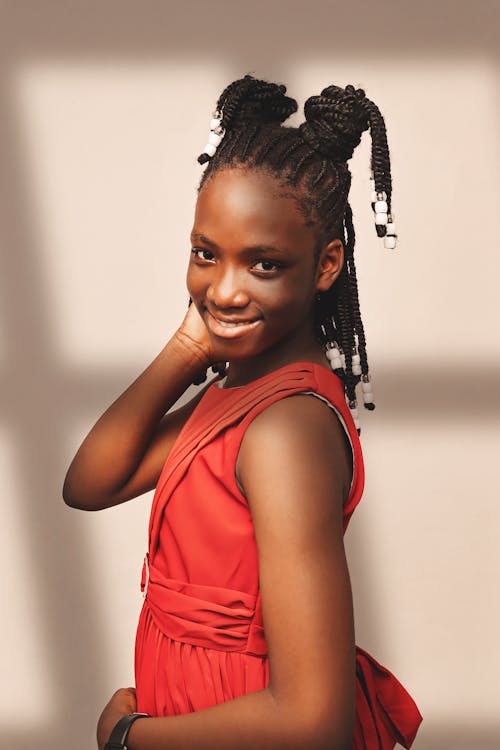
x,y
200,637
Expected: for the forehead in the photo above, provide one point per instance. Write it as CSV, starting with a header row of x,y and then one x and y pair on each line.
x,y
251,206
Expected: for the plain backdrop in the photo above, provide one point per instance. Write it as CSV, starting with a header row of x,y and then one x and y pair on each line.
x,y
104,108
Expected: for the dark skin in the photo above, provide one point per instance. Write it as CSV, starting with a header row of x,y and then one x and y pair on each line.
x,y
296,480
241,209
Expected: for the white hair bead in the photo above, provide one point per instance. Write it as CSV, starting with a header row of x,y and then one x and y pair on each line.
x,y
342,359
332,352
333,356
368,398
356,364
214,138
380,218
366,387
380,207
390,242
391,228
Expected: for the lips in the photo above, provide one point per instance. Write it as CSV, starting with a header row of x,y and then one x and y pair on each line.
x,y
232,321
231,328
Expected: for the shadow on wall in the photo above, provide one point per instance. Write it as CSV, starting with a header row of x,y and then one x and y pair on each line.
x,y
44,399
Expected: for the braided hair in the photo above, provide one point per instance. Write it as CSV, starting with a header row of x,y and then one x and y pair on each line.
x,y
312,159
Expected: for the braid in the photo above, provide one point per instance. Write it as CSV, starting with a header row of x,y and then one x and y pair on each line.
x,y
312,159
353,288
252,133
380,160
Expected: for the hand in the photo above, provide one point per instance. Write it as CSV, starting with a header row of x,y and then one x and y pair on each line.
x,y
193,333
122,703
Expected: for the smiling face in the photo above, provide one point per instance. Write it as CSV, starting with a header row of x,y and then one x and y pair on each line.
x,y
252,260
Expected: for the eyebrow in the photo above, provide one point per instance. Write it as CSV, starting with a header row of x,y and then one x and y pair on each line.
x,y
265,249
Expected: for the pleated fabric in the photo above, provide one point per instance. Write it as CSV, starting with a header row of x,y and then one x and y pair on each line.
x,y
200,638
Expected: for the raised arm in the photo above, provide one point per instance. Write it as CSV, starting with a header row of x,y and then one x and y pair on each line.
x,y
124,452
295,474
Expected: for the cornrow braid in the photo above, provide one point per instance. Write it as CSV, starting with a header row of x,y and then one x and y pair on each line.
x,y
312,159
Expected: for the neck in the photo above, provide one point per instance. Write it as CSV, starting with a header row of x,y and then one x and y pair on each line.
x,y
302,348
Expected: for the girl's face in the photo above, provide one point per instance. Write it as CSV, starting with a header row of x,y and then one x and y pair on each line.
x,y
252,260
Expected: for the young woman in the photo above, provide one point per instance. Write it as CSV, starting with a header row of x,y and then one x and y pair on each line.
x,y
246,635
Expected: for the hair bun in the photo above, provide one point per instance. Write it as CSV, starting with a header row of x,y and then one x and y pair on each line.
x,y
250,100
335,121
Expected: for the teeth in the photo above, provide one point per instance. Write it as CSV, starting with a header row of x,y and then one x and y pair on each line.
x,y
232,325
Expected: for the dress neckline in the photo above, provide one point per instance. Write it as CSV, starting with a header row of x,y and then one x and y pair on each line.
x,y
304,364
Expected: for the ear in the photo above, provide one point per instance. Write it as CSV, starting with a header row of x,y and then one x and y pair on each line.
x,y
330,263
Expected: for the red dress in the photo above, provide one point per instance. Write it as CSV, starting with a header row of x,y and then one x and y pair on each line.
x,y
200,637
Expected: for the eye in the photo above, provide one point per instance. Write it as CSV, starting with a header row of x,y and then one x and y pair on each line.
x,y
269,263
196,250
266,271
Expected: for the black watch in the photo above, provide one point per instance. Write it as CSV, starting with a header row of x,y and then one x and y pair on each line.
x,y
120,731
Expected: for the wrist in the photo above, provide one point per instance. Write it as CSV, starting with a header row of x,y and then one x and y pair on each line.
x,y
136,735
192,354
118,739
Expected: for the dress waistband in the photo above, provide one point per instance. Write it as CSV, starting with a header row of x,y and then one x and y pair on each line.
x,y
230,620
211,616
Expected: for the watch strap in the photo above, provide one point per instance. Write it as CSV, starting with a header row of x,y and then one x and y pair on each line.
x,y
120,731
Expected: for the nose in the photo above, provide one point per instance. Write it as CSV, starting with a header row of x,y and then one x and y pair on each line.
x,y
225,291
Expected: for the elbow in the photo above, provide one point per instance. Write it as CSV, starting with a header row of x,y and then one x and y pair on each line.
x,y
76,500
320,737
73,502
333,728
329,729
68,497
71,495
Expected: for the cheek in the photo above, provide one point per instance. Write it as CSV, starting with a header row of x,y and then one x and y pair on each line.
x,y
193,280
284,301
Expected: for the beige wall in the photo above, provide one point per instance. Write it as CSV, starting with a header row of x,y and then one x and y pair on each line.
x,y
104,108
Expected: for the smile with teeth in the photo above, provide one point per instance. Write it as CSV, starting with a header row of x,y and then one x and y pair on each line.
x,y
240,323
230,330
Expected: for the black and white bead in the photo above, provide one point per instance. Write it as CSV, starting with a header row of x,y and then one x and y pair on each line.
x,y
334,356
384,223
390,233
215,137
366,387
356,364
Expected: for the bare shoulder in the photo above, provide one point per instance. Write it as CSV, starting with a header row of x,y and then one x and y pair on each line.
x,y
297,427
